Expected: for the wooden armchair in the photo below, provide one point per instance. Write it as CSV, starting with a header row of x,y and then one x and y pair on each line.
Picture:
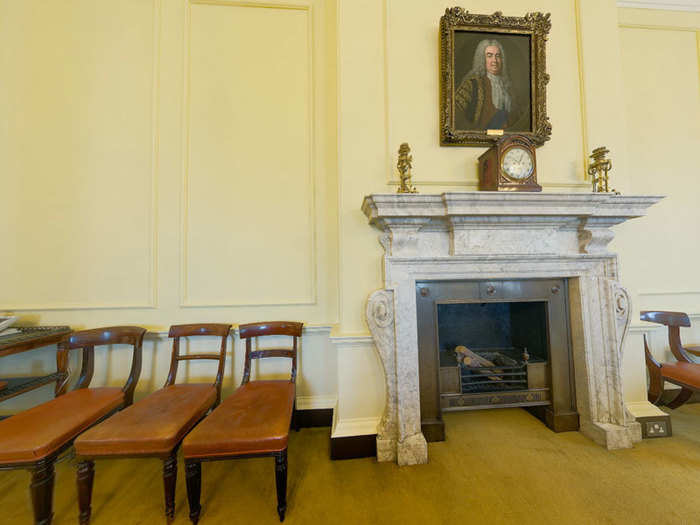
x,y
684,373
35,438
253,421
154,426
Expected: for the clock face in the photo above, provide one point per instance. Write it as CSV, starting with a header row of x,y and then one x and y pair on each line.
x,y
517,163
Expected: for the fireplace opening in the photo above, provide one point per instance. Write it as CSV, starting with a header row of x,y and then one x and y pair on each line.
x,y
495,344
492,347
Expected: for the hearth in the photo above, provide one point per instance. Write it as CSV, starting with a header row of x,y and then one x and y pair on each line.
x,y
491,344
485,240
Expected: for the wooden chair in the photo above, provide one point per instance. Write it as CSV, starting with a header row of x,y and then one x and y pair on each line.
x,y
154,426
684,373
253,421
35,438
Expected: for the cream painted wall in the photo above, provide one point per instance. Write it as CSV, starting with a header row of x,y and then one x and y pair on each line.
x,y
187,161
77,155
663,125
236,181
412,96
388,91
360,387
661,70
661,75
169,161
205,160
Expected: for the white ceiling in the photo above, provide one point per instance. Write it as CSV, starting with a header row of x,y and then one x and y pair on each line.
x,y
674,5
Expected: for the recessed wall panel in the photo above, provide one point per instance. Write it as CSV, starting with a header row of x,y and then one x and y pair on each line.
x,y
76,142
248,182
661,78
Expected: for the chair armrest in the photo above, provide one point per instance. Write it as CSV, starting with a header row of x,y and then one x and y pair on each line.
x,y
665,318
673,321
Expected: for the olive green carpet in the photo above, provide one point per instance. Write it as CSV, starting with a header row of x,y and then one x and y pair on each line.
x,y
497,466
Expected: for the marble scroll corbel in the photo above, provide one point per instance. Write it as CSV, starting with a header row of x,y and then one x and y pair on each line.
x,y
380,318
623,313
393,444
623,307
603,414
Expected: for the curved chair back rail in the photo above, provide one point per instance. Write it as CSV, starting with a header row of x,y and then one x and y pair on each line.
x,y
250,330
35,438
666,318
674,321
185,330
684,373
195,330
253,421
88,340
292,328
154,426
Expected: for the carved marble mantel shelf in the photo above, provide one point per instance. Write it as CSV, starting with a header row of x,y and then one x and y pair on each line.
x,y
492,235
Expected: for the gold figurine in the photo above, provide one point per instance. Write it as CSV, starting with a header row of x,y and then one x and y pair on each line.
x,y
404,167
598,170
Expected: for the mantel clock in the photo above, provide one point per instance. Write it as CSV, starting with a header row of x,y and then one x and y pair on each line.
x,y
509,165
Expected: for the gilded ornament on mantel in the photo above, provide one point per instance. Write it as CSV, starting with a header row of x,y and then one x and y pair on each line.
x,y
599,169
404,166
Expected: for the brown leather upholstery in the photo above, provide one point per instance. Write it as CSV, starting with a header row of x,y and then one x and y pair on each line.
x,y
253,420
685,373
35,433
153,426
692,349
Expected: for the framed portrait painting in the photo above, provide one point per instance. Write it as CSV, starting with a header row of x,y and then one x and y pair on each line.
x,y
493,77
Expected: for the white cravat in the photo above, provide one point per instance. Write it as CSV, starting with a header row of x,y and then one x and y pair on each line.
x,y
499,96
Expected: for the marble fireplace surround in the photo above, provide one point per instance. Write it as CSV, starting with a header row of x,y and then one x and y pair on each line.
x,y
492,235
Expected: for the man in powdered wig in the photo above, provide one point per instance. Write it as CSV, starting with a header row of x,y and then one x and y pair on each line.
x,y
484,98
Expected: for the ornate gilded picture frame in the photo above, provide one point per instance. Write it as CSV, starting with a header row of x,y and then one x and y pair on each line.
x,y
493,78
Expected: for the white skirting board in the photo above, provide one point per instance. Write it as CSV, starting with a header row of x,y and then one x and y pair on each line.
x,y
361,426
316,402
644,409
361,395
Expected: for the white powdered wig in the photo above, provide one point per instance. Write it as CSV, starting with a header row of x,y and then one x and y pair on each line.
x,y
500,84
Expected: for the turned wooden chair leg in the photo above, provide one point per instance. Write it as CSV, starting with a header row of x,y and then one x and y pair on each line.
x,y
193,476
41,489
281,479
682,397
169,482
86,475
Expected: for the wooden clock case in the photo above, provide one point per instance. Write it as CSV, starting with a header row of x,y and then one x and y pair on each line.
x,y
492,177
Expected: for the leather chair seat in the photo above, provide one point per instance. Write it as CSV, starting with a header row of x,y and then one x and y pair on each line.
x,y
151,427
38,432
685,373
254,419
